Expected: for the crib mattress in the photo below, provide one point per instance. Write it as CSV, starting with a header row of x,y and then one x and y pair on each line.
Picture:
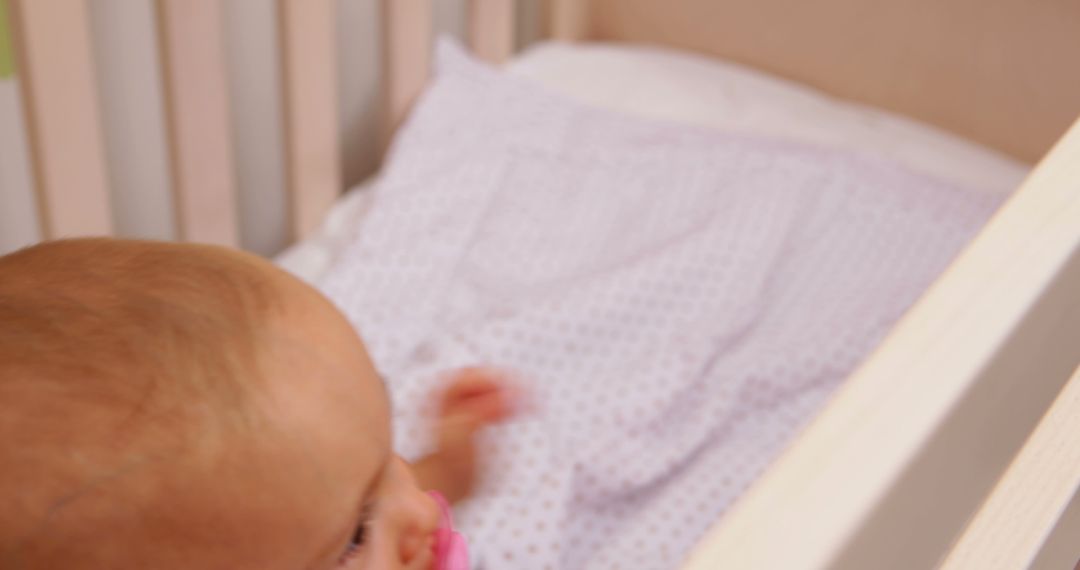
x,y
679,86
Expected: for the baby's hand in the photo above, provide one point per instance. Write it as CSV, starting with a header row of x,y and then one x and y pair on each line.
x,y
473,399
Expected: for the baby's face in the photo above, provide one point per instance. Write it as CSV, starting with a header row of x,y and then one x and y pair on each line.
x,y
321,488
299,476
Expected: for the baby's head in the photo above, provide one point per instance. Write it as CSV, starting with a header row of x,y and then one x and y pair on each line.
x,y
183,406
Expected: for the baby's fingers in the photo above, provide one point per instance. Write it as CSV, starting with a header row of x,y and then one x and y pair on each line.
x,y
485,395
425,560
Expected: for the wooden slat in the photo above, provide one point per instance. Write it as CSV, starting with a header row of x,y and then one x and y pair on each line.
x,y
1013,524
198,114
406,59
313,164
566,20
52,39
491,29
889,472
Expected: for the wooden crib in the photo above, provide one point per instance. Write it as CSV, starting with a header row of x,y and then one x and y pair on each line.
x,y
933,452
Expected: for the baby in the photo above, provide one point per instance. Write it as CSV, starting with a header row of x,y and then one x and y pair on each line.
x,y
176,406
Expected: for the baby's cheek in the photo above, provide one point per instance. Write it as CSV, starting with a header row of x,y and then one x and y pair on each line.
x,y
383,552
355,562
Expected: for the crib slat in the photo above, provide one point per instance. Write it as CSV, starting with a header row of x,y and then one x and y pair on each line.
x,y
406,49
491,29
1028,502
198,113
566,20
313,167
52,39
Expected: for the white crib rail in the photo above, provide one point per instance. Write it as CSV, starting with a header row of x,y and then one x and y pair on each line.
x,y
203,168
61,100
491,29
313,161
406,59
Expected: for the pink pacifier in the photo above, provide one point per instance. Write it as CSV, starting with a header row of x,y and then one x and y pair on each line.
x,y
451,550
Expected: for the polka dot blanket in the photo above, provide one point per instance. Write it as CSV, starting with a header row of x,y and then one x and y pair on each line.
x,y
677,302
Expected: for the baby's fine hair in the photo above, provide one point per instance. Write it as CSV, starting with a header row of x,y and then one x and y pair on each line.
x,y
114,349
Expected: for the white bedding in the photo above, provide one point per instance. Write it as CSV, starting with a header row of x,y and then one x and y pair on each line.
x,y
676,300
678,86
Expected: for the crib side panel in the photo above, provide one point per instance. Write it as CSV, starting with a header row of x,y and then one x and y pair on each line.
x,y
901,458
999,73
80,138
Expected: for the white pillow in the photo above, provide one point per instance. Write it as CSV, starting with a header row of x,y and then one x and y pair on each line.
x,y
680,86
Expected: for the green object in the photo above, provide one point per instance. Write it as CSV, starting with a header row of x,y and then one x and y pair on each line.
x,y
7,55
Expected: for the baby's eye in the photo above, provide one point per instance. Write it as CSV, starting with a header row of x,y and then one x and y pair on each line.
x,y
355,543
359,536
